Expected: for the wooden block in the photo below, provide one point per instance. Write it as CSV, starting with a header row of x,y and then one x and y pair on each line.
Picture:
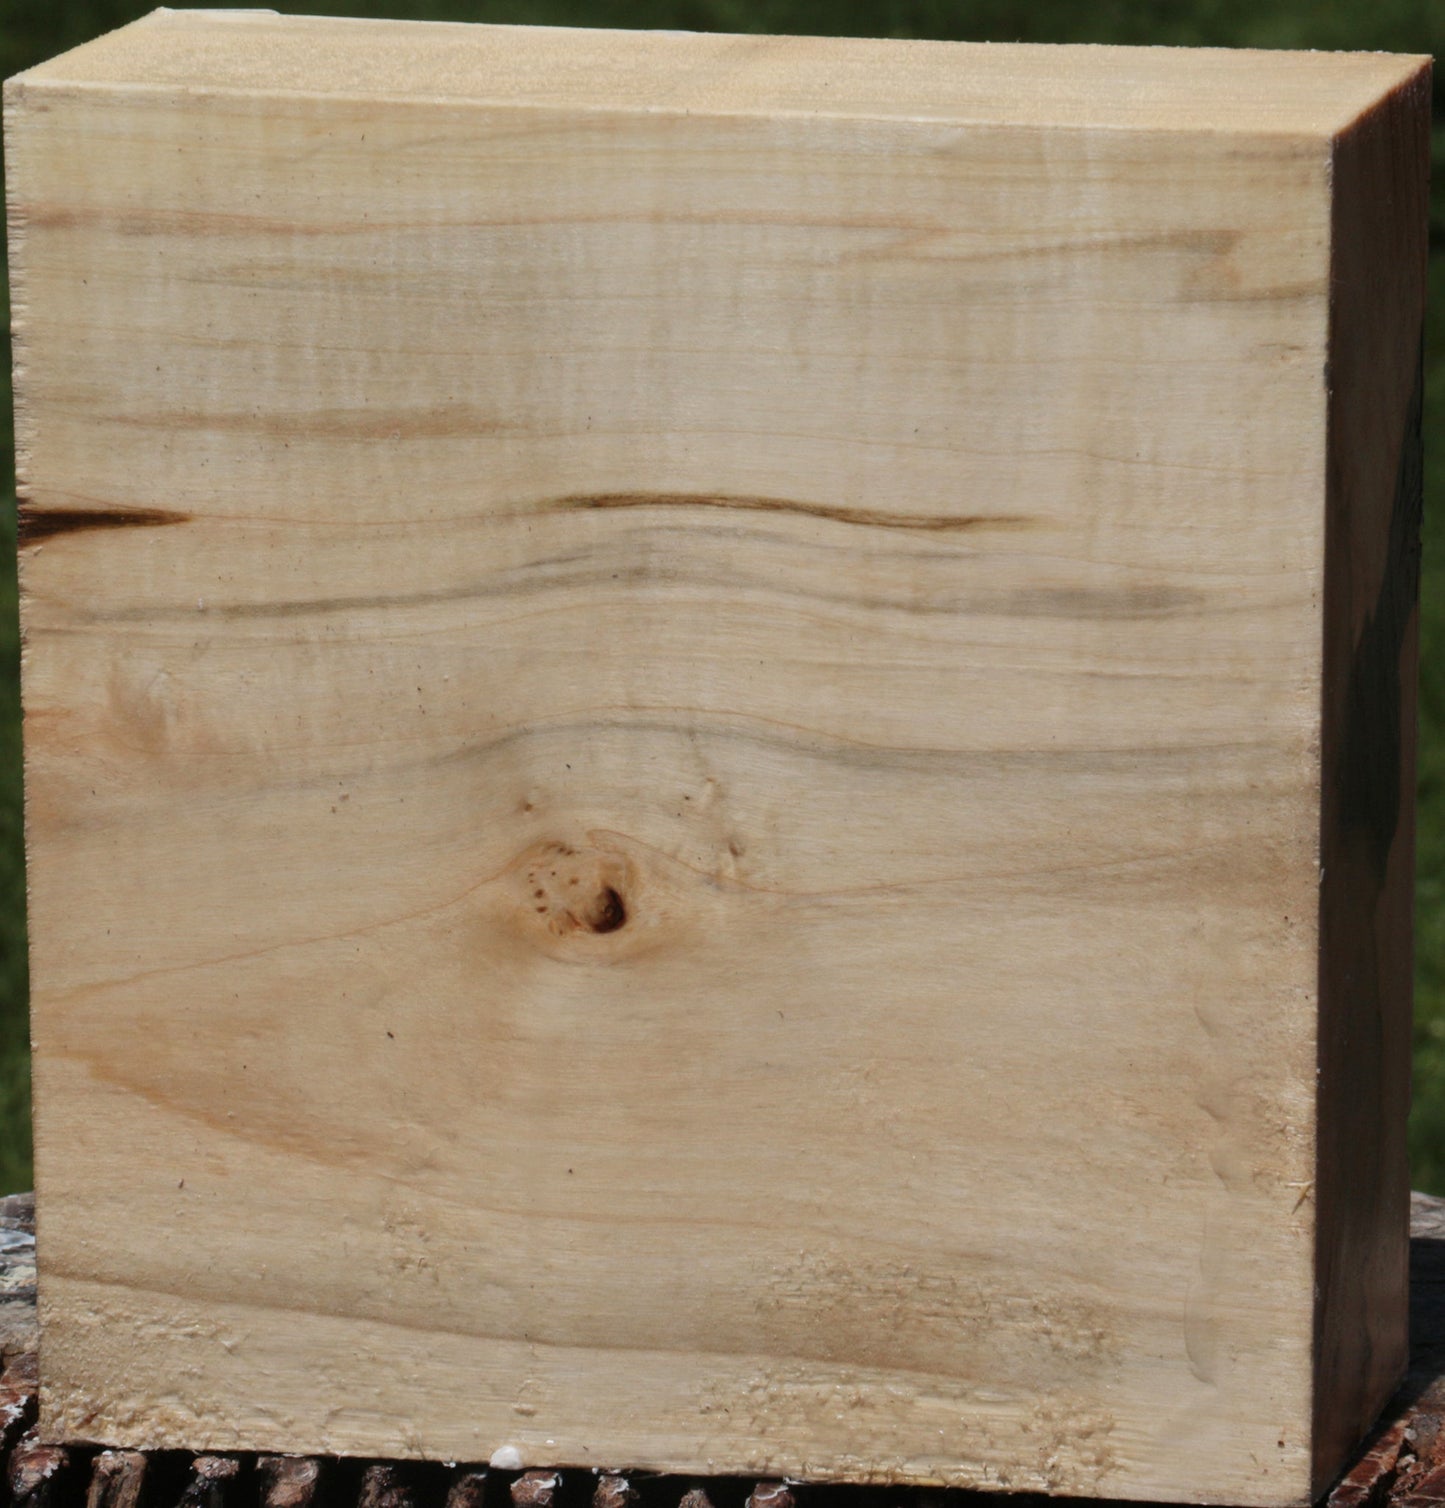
x,y
719,742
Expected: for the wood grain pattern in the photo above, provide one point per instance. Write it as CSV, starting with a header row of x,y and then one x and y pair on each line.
x,y
675,743
1400,1463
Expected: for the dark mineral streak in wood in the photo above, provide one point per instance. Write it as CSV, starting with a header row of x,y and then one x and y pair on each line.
x,y
877,518
36,524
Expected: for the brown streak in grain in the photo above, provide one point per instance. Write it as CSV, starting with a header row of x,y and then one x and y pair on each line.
x,y
444,421
1126,603
1214,245
36,524
456,420
872,517
278,1302
153,221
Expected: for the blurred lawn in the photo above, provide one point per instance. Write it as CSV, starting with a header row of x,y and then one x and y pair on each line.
x,y
34,29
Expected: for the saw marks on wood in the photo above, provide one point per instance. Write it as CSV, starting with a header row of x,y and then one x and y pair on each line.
x,y
675,749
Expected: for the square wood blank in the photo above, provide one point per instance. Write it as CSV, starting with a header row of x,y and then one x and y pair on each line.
x,y
719,743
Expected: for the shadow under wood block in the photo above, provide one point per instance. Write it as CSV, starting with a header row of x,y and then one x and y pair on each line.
x,y
719,737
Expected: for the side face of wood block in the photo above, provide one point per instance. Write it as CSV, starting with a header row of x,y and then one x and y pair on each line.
x,y
719,743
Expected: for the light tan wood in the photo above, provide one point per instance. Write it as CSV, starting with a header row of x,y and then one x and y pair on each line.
x,y
1100,88
675,747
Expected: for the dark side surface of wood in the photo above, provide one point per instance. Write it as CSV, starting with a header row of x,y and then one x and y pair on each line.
x,y
1401,1464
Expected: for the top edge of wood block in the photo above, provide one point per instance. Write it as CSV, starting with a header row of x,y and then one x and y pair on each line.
x,y
1077,86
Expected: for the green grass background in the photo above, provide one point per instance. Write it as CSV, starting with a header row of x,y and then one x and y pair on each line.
x,y
34,29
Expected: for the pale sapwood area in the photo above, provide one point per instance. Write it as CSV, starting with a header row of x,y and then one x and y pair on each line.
x,y
719,734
